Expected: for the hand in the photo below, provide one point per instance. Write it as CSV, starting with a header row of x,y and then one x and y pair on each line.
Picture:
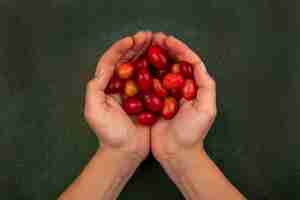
x,y
113,127
187,130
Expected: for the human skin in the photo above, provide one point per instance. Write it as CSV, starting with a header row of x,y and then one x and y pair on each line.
x,y
178,143
124,144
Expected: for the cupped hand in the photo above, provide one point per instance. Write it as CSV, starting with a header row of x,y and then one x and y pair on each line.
x,y
187,130
114,128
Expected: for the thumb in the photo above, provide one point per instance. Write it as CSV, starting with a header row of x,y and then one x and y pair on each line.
x,y
206,94
107,63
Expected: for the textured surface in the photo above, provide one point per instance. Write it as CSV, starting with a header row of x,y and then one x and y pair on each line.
x,y
48,50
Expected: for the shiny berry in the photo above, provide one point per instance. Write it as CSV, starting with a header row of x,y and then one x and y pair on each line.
x,y
186,69
158,88
173,81
176,93
141,63
157,57
189,89
175,68
132,105
115,85
170,108
147,118
152,102
131,88
144,80
125,70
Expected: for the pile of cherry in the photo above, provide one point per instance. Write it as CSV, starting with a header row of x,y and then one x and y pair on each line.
x,y
152,85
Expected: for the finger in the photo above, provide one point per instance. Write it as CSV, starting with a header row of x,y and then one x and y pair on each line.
x,y
117,98
110,58
206,94
112,102
147,43
178,50
142,128
141,41
161,122
159,39
182,101
94,96
134,120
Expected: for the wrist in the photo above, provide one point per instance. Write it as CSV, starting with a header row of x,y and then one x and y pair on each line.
x,y
120,157
182,161
172,151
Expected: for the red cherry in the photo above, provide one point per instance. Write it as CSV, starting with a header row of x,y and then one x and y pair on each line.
x,y
115,85
189,89
152,102
186,69
175,68
125,70
141,63
131,88
147,118
144,80
158,89
170,108
173,81
176,93
132,105
157,57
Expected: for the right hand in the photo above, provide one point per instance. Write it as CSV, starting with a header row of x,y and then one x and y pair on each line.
x,y
187,130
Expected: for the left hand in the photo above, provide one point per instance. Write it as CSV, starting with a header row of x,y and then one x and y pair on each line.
x,y
114,128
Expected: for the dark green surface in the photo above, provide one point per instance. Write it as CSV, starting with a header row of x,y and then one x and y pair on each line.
x,y
48,51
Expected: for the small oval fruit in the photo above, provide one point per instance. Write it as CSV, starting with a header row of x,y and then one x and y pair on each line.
x,y
170,108
125,70
147,118
132,105
186,69
115,85
175,68
176,93
131,88
173,81
152,102
157,57
144,80
158,88
189,89
141,63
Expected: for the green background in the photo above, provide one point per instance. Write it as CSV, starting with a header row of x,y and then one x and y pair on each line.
x,y
48,51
